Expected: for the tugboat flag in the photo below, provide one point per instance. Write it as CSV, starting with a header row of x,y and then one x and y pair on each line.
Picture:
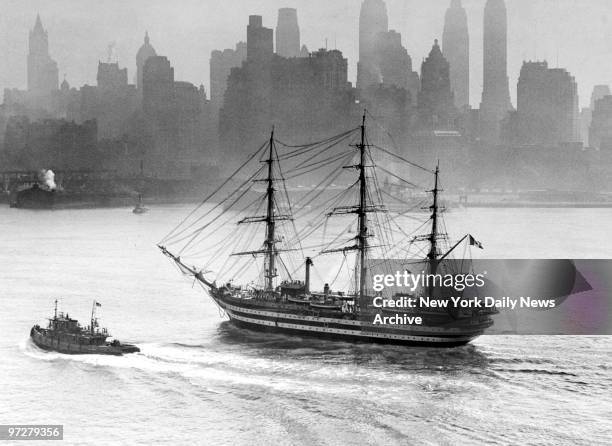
x,y
474,242
98,304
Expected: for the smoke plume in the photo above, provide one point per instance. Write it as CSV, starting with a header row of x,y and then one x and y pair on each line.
x,y
47,177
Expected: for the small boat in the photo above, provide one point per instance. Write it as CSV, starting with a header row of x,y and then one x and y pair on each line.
x,y
326,306
140,209
297,300
66,335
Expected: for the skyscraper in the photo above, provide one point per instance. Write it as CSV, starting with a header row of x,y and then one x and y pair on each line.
x,y
547,105
43,76
372,21
436,108
260,43
287,33
456,49
394,64
145,51
221,63
496,93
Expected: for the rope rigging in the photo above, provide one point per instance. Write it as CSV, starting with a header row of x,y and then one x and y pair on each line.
x,y
311,208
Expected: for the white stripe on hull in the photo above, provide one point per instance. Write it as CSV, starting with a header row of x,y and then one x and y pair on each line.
x,y
354,328
360,325
356,333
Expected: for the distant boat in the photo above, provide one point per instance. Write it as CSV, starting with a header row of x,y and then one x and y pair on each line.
x,y
35,197
140,209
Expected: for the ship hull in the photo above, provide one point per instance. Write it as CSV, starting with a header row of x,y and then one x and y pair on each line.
x,y
336,337
341,329
61,346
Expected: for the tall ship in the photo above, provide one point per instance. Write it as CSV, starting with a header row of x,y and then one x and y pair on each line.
x,y
373,241
65,335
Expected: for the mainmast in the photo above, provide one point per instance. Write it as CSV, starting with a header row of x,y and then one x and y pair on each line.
x,y
270,255
362,237
361,209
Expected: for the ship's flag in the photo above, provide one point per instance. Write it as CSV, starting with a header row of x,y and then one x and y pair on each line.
x,y
98,304
474,242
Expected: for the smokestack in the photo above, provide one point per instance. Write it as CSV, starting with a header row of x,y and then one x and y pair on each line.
x,y
307,279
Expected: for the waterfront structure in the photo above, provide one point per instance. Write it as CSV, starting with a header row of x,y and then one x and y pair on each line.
x,y
55,143
547,106
456,49
435,103
287,33
373,20
496,92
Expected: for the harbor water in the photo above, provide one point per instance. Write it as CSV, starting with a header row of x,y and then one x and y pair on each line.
x,y
199,380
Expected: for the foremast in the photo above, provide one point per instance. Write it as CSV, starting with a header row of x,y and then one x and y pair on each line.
x,y
269,250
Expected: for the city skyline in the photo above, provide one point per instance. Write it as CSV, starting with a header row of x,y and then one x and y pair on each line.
x,y
77,42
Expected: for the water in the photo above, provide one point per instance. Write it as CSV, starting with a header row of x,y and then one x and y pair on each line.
x,y
198,380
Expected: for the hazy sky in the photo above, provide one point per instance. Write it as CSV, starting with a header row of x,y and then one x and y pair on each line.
x,y
576,33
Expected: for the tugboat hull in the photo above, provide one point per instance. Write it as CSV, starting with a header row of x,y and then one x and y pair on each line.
x,y
57,344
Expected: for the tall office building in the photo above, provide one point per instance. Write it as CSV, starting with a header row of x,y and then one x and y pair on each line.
x,y
373,20
436,108
496,92
456,49
260,41
43,76
145,51
547,105
287,33
221,64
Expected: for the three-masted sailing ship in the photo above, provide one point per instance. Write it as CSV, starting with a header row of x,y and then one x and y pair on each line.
x,y
277,301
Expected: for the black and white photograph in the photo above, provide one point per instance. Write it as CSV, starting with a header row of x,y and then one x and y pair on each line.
x,y
289,222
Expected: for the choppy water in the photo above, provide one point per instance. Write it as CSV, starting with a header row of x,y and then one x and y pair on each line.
x,y
198,380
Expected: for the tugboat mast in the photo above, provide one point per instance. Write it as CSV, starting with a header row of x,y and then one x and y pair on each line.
x,y
270,222
55,315
93,316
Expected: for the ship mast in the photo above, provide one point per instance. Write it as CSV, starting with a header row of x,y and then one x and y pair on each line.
x,y
270,255
362,237
93,316
361,209
433,237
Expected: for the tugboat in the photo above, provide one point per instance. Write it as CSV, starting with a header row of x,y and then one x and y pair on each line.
x,y
66,335
140,209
